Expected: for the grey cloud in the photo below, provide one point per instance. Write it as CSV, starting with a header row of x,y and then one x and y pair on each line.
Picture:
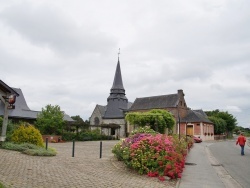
x,y
48,26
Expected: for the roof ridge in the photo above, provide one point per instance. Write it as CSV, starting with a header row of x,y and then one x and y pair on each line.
x,y
156,96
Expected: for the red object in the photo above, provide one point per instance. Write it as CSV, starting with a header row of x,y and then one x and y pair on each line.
x,y
197,139
241,140
12,99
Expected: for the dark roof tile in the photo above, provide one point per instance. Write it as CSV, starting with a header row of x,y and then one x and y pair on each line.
x,y
162,101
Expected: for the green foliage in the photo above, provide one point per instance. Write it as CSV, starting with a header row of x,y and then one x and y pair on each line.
x,y
219,124
155,155
158,120
50,120
230,120
29,149
79,123
26,133
86,135
18,147
239,129
145,129
68,136
11,127
1,185
40,152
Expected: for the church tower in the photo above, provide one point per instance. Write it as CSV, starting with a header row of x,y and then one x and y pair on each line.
x,y
117,100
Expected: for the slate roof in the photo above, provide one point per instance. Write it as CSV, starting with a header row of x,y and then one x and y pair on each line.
x,y
117,100
22,110
5,88
154,102
102,109
117,83
196,116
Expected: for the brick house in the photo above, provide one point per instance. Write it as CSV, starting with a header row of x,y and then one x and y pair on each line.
x,y
188,122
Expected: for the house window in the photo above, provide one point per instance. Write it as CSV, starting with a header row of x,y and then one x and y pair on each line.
x,y
97,121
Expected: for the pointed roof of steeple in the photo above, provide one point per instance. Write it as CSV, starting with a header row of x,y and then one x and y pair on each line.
x,y
117,84
117,100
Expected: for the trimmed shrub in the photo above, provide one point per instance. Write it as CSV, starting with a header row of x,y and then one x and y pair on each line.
x,y
27,133
29,149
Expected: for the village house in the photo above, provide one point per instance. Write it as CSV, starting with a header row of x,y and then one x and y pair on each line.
x,y
188,122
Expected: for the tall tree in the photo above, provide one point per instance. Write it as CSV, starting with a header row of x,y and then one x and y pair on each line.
x,y
50,120
158,120
230,120
219,124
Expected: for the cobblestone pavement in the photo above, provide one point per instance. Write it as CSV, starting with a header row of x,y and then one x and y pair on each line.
x,y
85,169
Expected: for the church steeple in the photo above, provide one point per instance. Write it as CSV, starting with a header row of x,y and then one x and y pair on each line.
x,y
117,84
117,101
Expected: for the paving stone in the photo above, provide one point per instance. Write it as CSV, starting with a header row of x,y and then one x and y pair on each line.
x,y
86,169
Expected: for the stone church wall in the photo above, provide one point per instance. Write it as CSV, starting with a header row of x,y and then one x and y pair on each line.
x,y
120,122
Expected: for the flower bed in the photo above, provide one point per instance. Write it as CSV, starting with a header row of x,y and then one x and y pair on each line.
x,y
156,155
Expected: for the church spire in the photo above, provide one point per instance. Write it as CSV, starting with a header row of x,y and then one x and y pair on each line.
x,y
117,84
117,100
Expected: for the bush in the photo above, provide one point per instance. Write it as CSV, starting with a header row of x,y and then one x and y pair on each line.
x,y
10,129
68,136
155,155
145,129
29,149
27,133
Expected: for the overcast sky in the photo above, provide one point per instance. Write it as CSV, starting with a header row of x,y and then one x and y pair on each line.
x,y
65,52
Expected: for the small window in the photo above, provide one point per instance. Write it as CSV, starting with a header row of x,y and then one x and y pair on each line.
x,y
97,121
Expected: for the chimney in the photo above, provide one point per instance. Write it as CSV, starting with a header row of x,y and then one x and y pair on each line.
x,y
180,93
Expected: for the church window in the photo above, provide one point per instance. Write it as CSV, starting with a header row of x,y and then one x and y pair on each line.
x,y
97,121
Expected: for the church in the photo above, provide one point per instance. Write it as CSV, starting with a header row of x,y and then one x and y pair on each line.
x,y
110,118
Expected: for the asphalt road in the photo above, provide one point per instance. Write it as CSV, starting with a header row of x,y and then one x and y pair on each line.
x,y
228,155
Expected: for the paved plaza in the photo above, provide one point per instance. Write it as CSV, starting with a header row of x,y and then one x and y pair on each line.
x,y
85,169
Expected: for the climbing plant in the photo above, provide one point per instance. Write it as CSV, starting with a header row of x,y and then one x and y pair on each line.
x,y
158,120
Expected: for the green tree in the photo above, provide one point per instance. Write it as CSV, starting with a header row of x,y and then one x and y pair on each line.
x,y
50,120
230,120
158,120
219,124
79,123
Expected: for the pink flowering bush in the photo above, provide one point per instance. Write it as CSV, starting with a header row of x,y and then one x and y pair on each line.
x,y
156,155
